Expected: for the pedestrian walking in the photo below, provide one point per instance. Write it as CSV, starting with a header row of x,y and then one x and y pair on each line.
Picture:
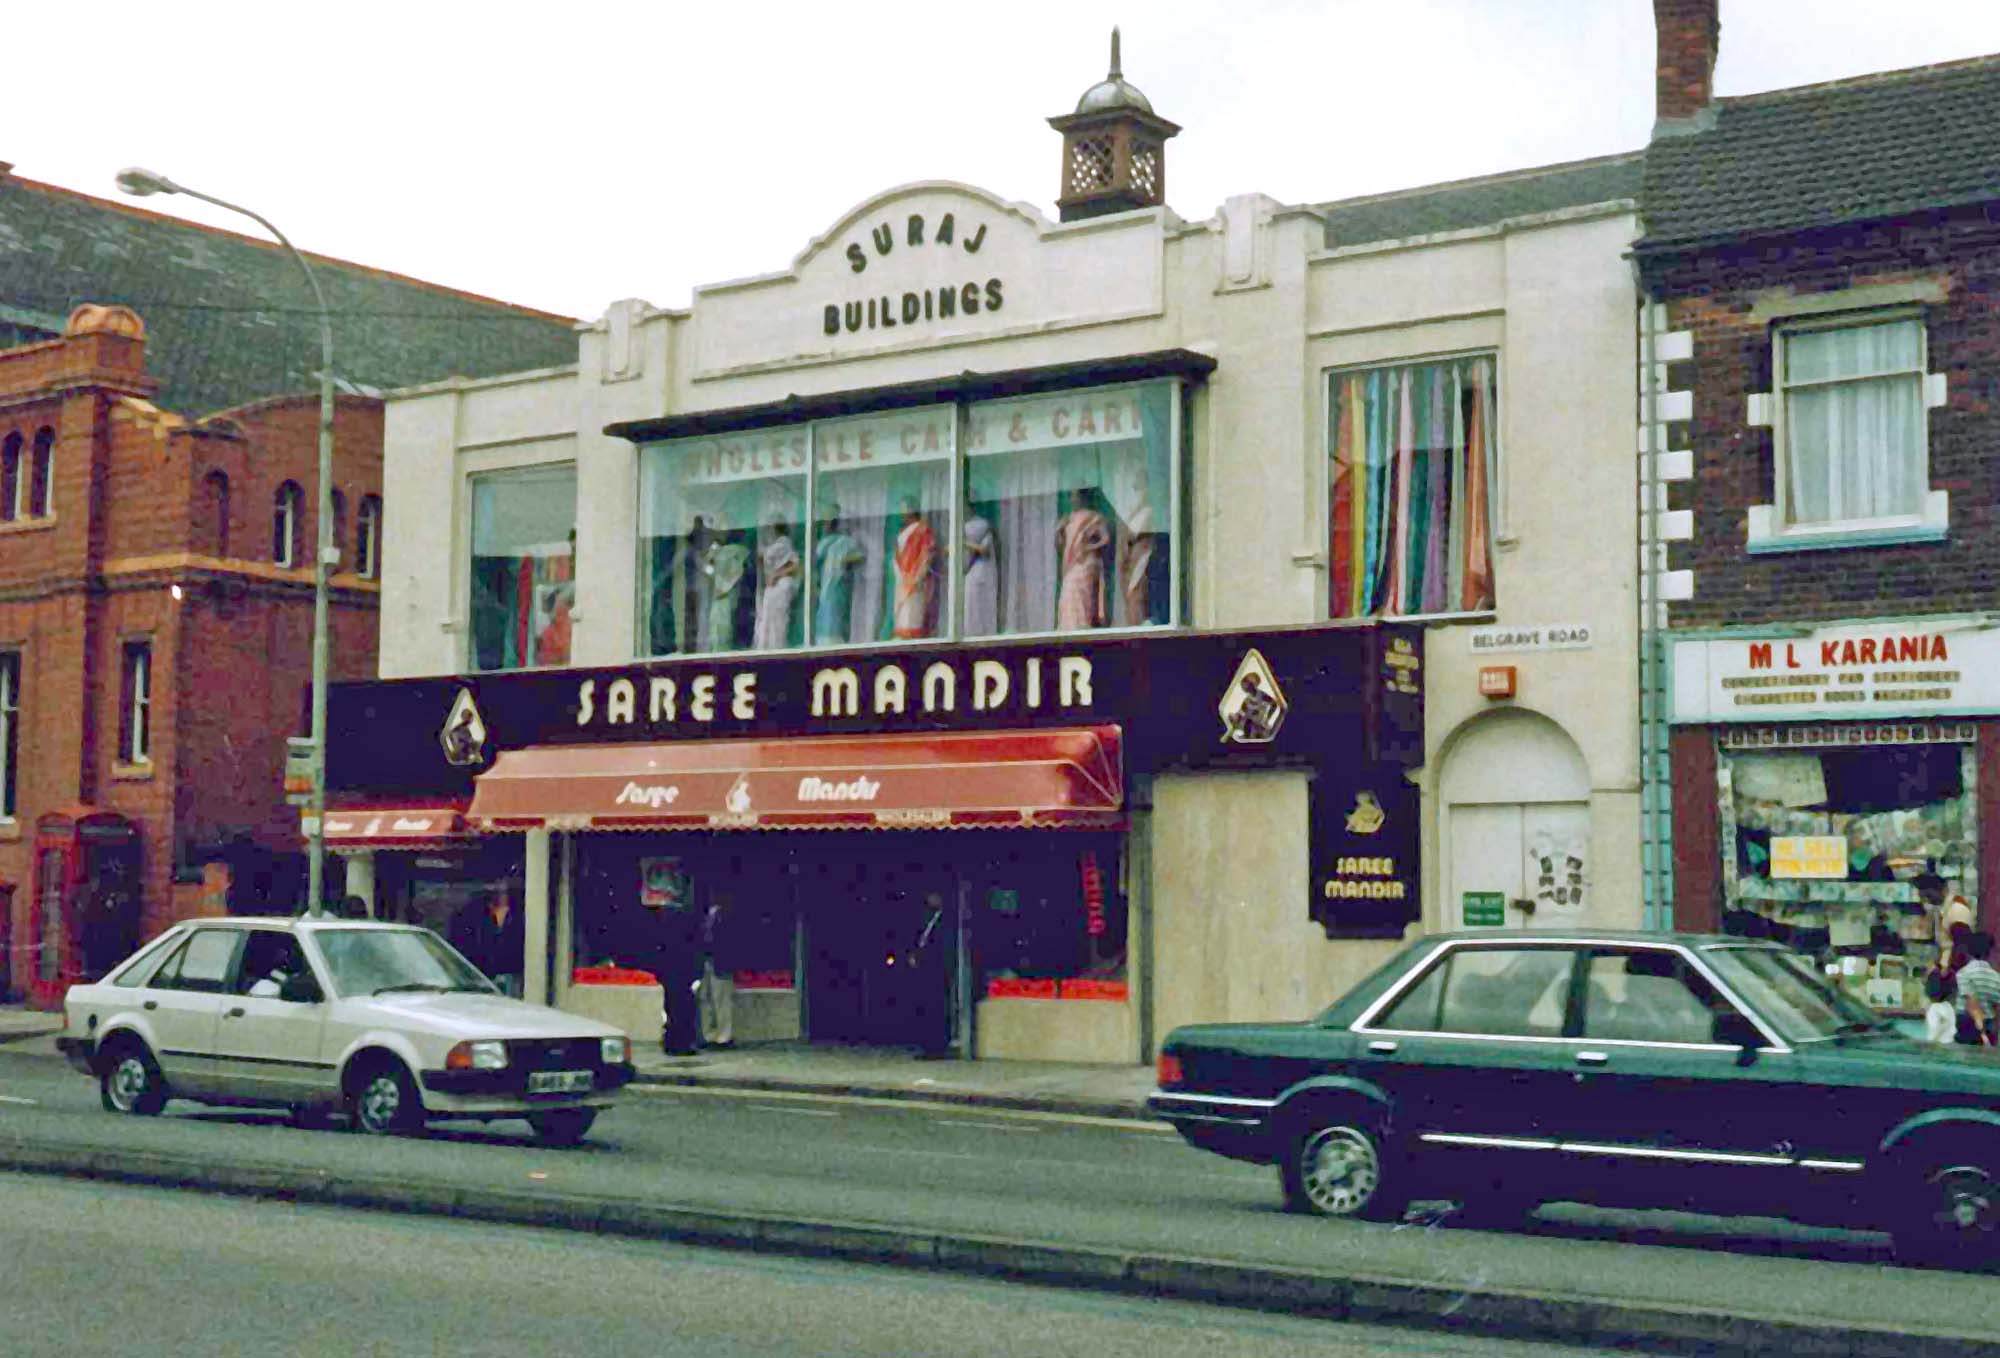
x,y
671,949
493,938
718,975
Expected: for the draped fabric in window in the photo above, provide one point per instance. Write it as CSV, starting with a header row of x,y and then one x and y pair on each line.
x,y
523,567
1854,423
1412,449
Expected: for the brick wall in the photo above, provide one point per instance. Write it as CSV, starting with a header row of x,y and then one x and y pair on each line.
x,y
1714,297
231,656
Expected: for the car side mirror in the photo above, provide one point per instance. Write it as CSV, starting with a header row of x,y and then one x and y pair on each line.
x,y
301,989
1734,1030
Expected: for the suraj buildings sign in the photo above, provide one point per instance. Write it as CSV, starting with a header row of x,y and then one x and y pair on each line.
x,y
868,309
1893,670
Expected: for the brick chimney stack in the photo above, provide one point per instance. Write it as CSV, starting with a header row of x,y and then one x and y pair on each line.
x,y
1684,76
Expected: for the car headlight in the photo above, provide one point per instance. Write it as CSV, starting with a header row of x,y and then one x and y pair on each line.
x,y
616,1051
477,1056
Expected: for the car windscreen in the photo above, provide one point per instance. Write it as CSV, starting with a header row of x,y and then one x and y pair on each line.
x,y
377,961
1790,993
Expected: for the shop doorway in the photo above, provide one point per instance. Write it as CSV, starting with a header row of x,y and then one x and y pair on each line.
x,y
1517,825
881,940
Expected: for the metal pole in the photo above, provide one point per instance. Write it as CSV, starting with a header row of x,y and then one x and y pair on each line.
x,y
324,556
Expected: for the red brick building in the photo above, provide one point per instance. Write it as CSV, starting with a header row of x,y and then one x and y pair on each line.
x,y
156,582
1821,358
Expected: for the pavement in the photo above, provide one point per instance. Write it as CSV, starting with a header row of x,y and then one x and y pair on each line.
x,y
1382,1287
855,1072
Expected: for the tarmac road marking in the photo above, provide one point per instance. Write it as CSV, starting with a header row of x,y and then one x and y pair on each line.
x,y
926,1106
996,1126
11,1098
797,1112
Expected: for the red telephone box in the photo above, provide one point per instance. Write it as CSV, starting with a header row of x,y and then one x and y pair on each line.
x,y
84,916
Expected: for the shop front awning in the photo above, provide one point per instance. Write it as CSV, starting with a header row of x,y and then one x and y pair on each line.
x,y
395,827
1069,778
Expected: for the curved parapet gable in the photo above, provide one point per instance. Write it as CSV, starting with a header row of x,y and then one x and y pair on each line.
x,y
926,265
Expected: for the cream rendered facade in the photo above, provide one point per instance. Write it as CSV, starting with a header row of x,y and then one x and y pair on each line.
x,y
1220,929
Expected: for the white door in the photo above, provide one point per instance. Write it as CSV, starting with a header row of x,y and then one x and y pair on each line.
x,y
1504,854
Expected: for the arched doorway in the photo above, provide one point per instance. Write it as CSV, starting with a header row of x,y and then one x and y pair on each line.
x,y
1516,826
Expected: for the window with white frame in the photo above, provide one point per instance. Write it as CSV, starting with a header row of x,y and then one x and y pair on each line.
x,y
10,722
285,524
1852,444
523,566
368,538
135,717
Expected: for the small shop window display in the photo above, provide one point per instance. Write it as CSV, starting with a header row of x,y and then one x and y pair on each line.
x,y
1852,858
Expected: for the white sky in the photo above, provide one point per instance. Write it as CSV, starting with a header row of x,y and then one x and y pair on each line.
x,y
565,156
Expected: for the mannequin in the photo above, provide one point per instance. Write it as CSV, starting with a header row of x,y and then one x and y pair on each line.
x,y
1136,544
916,555
982,579
723,566
779,581
1081,538
838,555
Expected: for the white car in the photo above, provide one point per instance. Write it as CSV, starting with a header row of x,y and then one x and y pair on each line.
x,y
386,1022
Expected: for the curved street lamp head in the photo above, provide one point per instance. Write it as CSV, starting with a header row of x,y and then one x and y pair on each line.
x,y
141,183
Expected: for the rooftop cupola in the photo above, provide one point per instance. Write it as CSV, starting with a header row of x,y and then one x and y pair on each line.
x,y
1114,149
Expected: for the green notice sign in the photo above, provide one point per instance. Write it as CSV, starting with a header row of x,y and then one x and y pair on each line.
x,y
1485,908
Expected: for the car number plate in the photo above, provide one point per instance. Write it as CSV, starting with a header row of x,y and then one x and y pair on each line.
x,y
559,1081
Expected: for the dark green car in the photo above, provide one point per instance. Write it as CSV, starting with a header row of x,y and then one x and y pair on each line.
x,y
1693,1072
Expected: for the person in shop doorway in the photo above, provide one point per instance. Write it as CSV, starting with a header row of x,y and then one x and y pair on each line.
x,y
491,935
931,976
1941,1014
1979,992
718,975
672,951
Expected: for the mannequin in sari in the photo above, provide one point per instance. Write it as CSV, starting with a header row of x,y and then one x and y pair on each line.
x,y
778,578
1136,544
838,555
982,579
916,557
1081,538
724,565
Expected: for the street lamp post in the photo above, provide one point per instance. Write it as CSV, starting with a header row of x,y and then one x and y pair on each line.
x,y
141,183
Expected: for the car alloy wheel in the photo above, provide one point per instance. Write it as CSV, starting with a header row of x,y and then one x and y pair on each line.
x,y
1965,1207
131,1082
1340,1171
384,1103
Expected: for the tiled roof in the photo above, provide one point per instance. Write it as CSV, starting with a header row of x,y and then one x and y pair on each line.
x,y
1468,203
1851,150
229,318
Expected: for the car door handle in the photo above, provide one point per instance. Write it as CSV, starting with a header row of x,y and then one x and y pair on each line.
x,y
1381,1048
1592,1058
237,1012
152,1004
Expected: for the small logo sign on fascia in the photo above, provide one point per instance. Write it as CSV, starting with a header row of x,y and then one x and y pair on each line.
x,y
1253,707
464,733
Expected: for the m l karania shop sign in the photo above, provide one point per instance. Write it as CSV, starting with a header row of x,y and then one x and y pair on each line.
x,y
1924,668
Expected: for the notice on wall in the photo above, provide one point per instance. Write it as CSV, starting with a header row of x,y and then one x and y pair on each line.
x,y
1809,856
1484,909
1555,636
1930,668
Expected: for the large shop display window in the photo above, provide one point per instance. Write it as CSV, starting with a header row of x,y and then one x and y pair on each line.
x,y
1413,452
1846,854
523,567
1050,920
1040,515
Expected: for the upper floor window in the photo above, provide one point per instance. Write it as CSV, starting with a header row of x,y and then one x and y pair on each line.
x,y
10,736
135,716
1039,515
215,488
41,498
13,480
523,567
285,524
1413,450
339,521
368,538
1852,422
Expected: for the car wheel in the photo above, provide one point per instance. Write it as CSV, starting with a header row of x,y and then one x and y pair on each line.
x,y
563,1126
129,1080
383,1101
1337,1167
1951,1217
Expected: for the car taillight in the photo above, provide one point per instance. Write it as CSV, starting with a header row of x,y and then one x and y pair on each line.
x,y
1170,1072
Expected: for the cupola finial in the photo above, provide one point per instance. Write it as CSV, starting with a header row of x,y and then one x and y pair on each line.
x,y
1115,73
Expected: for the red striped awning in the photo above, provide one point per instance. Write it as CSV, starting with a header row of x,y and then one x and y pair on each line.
x,y
1070,778
406,826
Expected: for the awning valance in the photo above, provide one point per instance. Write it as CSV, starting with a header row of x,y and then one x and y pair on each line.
x,y
405,826
1069,778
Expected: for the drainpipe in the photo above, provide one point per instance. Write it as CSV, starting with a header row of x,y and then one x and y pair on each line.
x,y
1656,807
